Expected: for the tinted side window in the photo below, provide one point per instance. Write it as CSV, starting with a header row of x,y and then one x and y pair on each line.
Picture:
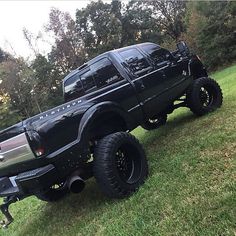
x,y
99,74
105,73
136,61
87,79
159,55
73,88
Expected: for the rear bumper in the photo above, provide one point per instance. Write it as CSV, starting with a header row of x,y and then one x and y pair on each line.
x,y
29,182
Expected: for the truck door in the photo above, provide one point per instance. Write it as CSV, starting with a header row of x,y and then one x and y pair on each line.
x,y
147,80
173,72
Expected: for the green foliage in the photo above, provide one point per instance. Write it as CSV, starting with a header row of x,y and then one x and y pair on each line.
x,y
213,25
17,85
99,26
169,16
68,51
106,26
7,115
218,31
47,83
28,89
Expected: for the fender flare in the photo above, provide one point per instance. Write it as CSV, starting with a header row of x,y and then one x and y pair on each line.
x,y
193,64
97,110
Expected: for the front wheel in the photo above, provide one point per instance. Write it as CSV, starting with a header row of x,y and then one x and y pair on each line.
x,y
120,164
204,96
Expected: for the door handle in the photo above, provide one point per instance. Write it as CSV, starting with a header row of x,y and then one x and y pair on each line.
x,y
142,86
163,74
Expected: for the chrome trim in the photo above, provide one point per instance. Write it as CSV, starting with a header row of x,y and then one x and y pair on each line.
x,y
15,150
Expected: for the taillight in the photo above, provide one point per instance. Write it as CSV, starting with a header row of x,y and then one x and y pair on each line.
x,y
39,152
36,143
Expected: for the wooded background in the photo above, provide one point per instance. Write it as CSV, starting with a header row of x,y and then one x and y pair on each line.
x,y
30,87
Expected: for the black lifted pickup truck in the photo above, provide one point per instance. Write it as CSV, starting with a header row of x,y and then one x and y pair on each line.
x,y
54,152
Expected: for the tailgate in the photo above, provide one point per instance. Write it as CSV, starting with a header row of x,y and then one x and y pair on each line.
x,y
15,150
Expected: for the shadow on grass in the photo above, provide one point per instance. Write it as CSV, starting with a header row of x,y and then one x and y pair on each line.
x,y
60,216
171,125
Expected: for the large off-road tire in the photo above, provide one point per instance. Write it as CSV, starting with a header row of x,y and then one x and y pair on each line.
x,y
120,164
154,122
53,194
204,96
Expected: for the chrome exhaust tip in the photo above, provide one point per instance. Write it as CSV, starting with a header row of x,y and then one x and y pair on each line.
x,y
76,184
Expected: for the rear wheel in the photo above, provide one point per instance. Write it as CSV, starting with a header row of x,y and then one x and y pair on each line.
x,y
120,164
54,193
204,96
155,122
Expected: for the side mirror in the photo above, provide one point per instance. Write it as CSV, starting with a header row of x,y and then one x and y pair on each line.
x,y
183,48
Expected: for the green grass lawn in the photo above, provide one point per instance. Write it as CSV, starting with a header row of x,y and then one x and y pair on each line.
x,y
191,189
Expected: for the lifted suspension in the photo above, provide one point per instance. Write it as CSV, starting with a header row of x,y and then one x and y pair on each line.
x,y
5,210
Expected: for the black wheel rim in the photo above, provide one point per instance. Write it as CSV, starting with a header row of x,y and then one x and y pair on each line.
x,y
128,164
157,120
154,121
206,96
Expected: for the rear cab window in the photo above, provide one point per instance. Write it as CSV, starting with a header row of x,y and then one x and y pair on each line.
x,y
87,80
97,75
73,88
105,73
